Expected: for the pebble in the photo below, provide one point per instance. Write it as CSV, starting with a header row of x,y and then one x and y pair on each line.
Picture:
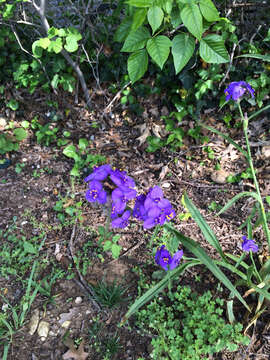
x,y
78,300
219,176
66,324
43,329
33,323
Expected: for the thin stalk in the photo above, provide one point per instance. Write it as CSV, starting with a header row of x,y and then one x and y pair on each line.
x,y
255,268
250,162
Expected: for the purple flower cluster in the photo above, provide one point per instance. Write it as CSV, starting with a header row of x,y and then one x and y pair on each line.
x,y
237,89
152,208
164,259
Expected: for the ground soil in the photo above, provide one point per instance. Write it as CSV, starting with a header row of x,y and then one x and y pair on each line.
x,y
120,138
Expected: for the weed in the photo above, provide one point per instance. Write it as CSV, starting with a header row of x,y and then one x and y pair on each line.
x,y
109,295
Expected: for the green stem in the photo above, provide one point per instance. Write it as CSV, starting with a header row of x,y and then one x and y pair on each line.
x,y
255,268
250,162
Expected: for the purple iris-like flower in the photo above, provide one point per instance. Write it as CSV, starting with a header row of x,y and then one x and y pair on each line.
x,y
159,215
249,245
99,173
122,221
237,89
120,178
120,196
96,192
164,259
153,198
139,210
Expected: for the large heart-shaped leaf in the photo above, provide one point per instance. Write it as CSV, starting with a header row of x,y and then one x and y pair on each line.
x,y
155,17
159,49
137,65
192,19
212,49
208,10
183,46
136,40
138,18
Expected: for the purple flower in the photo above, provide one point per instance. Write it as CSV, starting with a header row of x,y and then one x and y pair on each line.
x,y
122,221
120,196
139,210
96,192
159,215
153,198
249,245
99,173
163,258
120,178
237,89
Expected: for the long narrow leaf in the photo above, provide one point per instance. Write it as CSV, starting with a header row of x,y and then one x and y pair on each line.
x,y
226,137
232,269
237,197
205,228
236,259
258,112
195,248
151,293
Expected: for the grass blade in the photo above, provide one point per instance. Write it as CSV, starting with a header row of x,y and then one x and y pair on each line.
x,y
195,248
237,197
205,228
151,293
226,137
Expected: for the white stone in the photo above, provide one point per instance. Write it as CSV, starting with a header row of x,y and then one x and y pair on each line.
x,y
33,323
43,329
66,324
78,300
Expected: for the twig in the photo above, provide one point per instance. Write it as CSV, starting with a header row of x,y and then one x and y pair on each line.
x,y
229,67
82,283
41,12
107,108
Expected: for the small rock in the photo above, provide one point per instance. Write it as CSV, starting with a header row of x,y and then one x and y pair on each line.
x,y
43,329
219,176
66,324
3,122
78,300
266,151
33,323
51,333
166,185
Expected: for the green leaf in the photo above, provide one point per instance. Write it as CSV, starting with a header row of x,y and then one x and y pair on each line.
x,y
20,134
155,17
107,245
123,29
71,152
137,65
29,248
183,47
140,3
192,19
136,40
56,46
212,49
83,144
256,56
205,228
44,42
71,43
237,197
159,49
208,10
37,49
13,104
167,6
195,248
116,249
73,32
75,171
138,18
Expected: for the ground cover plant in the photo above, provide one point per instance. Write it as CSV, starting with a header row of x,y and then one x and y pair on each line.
x,y
134,178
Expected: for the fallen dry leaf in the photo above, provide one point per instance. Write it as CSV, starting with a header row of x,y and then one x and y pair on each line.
x,y
73,353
